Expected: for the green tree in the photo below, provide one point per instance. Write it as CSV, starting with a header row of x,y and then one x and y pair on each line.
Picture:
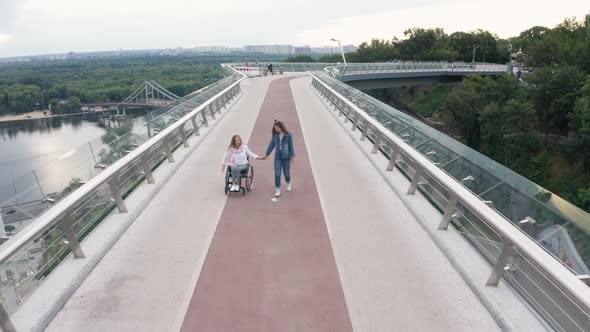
x,y
554,90
376,50
331,58
579,126
300,58
73,104
425,45
464,106
54,105
506,129
580,119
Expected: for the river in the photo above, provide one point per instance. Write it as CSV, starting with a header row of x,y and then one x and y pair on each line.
x,y
39,156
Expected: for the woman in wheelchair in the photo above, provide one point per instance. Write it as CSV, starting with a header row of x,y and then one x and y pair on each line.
x,y
236,158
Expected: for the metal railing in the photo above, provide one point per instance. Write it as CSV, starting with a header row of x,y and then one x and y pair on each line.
x,y
340,71
381,67
553,290
163,116
33,253
288,66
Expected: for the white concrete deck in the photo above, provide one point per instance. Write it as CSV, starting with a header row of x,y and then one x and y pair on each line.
x,y
394,277
145,282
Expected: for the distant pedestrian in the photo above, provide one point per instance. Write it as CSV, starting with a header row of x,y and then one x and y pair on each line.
x,y
282,142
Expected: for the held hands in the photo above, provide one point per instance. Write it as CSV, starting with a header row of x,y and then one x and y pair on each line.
x,y
262,158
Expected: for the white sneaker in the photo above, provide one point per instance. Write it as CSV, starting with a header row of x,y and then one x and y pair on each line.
x,y
277,192
235,187
289,186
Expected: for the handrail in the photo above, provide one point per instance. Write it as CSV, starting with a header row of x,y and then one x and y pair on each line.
x,y
53,215
575,288
421,67
194,95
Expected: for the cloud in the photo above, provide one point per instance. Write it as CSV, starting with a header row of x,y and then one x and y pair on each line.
x,y
506,18
56,26
9,10
5,38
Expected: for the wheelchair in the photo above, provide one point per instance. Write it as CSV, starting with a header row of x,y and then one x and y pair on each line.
x,y
247,177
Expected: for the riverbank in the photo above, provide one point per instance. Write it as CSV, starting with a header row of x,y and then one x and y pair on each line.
x,y
40,115
25,116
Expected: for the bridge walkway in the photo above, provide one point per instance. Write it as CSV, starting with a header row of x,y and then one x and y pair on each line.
x,y
340,252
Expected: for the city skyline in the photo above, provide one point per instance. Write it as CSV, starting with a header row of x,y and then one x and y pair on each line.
x,y
274,49
31,27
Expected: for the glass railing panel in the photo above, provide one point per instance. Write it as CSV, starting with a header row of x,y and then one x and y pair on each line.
x,y
475,178
437,153
434,191
412,136
554,305
514,196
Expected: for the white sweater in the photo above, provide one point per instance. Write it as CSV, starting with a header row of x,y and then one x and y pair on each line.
x,y
240,156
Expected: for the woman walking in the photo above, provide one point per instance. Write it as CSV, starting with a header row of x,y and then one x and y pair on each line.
x,y
282,142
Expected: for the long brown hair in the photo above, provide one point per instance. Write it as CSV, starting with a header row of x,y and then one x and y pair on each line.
x,y
232,143
281,125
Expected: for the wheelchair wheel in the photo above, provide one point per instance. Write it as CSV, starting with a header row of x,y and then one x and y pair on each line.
x,y
226,189
250,179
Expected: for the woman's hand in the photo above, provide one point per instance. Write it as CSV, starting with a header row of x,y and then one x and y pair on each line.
x,y
222,168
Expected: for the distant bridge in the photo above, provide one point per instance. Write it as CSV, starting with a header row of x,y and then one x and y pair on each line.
x,y
148,94
368,76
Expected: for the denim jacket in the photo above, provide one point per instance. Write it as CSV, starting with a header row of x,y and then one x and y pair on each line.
x,y
284,147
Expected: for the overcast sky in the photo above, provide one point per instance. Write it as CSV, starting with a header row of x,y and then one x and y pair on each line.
x,y
29,27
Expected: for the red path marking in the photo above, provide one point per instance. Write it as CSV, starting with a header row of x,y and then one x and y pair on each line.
x,y
270,266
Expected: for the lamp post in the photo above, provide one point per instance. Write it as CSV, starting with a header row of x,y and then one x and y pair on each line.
x,y
341,50
473,56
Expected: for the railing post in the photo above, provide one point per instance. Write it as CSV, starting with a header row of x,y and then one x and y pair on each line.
x,y
212,110
416,180
376,144
393,159
222,102
346,111
5,321
146,168
500,267
355,121
365,132
73,242
195,126
204,115
168,150
113,185
183,136
448,215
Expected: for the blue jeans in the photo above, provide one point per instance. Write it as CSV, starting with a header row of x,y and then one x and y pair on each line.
x,y
285,164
